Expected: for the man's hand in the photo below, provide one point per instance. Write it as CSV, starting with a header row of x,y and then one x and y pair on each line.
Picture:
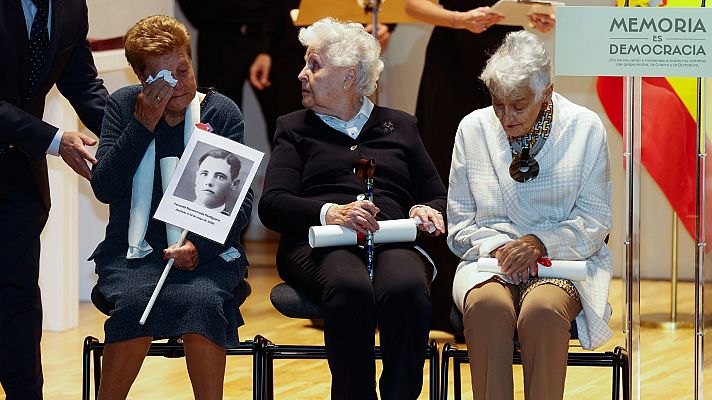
x,y
73,152
186,256
259,71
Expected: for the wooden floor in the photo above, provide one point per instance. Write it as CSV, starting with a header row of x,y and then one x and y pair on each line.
x,y
667,356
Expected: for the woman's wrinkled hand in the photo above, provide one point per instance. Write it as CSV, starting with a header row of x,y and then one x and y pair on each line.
x,y
429,217
517,259
542,22
151,103
476,20
359,215
186,256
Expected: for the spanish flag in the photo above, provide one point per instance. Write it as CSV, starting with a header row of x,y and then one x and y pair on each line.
x,y
669,130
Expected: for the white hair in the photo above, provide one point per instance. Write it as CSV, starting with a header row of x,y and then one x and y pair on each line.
x,y
520,60
347,44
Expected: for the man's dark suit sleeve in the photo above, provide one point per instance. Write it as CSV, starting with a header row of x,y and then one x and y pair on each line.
x,y
80,85
22,129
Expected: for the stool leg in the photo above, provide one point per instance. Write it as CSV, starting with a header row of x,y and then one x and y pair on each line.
x,y
457,378
269,376
266,384
86,366
626,374
615,383
257,385
444,371
98,353
434,373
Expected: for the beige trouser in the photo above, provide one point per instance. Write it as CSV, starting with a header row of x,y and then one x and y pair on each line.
x,y
543,324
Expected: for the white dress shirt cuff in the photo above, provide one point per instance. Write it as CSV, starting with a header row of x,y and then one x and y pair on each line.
x,y
53,148
324,209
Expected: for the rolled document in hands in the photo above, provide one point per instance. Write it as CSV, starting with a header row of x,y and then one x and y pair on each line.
x,y
393,231
571,270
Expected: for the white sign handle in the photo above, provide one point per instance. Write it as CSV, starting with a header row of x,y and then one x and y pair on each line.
x,y
161,281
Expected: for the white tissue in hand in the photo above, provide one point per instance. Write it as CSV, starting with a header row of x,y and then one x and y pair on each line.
x,y
166,75
431,228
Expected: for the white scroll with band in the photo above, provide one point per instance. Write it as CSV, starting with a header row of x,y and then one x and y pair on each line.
x,y
562,269
393,231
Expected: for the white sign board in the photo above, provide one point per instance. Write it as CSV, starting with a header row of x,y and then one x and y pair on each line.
x,y
639,41
208,186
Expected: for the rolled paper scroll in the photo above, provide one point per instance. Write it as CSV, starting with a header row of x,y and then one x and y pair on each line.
x,y
393,231
168,166
571,270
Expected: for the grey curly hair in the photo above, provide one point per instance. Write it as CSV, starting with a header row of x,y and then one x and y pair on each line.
x,y
521,60
347,44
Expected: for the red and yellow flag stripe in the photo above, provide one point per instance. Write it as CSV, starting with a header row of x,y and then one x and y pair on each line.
x,y
669,127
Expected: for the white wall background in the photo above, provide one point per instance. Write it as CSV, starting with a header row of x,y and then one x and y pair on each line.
x,y
110,18
398,89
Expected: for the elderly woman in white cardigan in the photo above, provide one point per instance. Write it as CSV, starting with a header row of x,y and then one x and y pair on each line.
x,y
529,179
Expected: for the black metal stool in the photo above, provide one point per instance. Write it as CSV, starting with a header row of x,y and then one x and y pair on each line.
x,y
294,304
172,349
617,360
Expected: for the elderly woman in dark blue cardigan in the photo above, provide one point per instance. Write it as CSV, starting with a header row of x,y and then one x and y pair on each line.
x,y
142,125
311,181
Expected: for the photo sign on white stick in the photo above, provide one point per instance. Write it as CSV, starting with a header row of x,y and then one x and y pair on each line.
x,y
209,184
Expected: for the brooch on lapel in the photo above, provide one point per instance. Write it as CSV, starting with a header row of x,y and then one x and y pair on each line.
x,y
388,127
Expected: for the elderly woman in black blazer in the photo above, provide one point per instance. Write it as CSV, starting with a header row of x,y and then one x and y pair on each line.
x,y
311,181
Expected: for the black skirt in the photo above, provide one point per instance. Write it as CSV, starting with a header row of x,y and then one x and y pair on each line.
x,y
199,301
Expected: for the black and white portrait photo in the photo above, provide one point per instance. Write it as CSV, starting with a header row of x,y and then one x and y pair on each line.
x,y
213,178
210,180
